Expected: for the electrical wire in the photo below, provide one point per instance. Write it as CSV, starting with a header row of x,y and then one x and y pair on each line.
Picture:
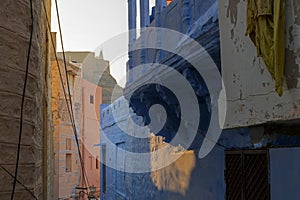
x,y
23,101
23,185
68,86
70,110
64,57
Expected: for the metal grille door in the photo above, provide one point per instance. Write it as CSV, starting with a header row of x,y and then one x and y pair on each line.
x,y
247,175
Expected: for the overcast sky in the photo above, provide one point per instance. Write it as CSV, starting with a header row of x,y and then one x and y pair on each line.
x,y
87,24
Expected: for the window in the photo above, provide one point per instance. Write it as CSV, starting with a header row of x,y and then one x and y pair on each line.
x,y
91,162
68,162
68,144
97,162
71,79
91,99
103,168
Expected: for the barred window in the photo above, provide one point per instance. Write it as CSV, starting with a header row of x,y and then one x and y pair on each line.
x,y
247,175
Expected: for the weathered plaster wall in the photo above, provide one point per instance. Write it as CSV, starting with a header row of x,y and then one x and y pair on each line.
x,y
35,168
251,96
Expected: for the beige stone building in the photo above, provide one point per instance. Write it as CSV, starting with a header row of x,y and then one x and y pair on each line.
x,y
67,168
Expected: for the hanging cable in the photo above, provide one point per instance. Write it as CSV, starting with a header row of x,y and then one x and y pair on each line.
x,y
68,86
22,184
70,110
23,102
64,57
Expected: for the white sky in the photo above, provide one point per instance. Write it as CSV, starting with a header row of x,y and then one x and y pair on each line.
x,y
86,24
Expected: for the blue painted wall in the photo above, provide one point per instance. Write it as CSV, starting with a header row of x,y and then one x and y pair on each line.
x,y
204,178
285,173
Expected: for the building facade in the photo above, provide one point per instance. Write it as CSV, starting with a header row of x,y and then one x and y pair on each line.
x,y
90,82
67,168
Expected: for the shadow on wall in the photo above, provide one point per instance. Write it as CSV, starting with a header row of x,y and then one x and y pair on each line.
x,y
188,177
175,177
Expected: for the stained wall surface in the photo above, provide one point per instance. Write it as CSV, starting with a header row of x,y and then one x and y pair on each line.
x,y
250,96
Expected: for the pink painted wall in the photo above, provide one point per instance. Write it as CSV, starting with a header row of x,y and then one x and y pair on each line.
x,y
91,100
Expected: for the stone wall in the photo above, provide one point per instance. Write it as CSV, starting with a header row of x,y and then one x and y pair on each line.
x,y
35,167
